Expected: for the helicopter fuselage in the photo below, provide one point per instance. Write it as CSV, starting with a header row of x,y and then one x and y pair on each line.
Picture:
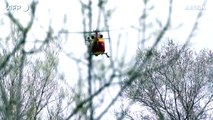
x,y
97,46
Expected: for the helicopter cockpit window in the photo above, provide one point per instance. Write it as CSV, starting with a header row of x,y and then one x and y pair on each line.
x,y
92,37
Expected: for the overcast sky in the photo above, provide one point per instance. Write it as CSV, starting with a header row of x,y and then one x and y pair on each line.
x,y
127,14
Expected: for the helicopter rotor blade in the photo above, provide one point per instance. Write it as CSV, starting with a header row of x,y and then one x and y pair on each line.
x,y
84,32
110,30
65,31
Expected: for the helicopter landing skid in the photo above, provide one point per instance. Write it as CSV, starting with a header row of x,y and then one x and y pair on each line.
x,y
102,54
106,55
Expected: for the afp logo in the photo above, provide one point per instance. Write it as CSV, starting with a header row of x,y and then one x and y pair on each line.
x,y
16,7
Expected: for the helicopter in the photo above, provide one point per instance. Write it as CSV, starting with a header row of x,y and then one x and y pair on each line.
x,y
96,42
